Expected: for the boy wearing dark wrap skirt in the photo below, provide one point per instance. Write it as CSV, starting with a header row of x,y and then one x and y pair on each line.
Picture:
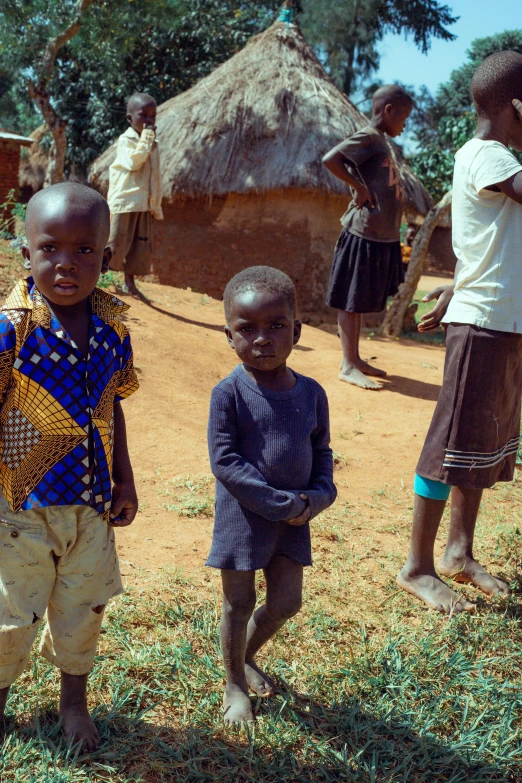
x,y
474,434
367,266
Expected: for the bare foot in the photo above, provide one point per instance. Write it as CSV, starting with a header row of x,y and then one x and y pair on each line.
x,y
367,369
434,592
357,378
258,680
78,727
237,708
468,571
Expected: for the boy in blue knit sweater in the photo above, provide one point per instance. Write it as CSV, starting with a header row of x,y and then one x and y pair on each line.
x,y
269,451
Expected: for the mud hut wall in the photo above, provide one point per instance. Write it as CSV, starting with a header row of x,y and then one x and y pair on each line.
x,y
9,165
202,244
440,253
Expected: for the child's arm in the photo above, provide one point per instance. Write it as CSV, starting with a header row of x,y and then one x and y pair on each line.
x,y
321,491
131,154
443,294
239,476
124,499
336,162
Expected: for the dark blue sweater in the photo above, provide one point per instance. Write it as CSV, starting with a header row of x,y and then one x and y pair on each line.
x,y
265,448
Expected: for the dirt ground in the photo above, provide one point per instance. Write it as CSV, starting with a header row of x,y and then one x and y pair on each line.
x,y
181,353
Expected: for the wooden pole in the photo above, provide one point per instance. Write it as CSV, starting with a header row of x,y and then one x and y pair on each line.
x,y
392,324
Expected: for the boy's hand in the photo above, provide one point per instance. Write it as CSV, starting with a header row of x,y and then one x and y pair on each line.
x,y
124,505
362,197
518,106
443,294
304,516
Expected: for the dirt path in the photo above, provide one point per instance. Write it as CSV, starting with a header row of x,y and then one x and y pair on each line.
x,y
181,353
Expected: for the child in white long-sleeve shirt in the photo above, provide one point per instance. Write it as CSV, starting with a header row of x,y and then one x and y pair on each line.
x,y
135,192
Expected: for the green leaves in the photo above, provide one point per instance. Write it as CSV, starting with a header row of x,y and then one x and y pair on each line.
x,y
447,121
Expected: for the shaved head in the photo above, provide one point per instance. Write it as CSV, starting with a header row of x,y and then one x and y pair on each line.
x,y
495,83
138,100
71,198
390,94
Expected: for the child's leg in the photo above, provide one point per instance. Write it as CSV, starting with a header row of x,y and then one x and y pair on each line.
x,y
458,561
87,576
418,575
352,368
284,590
25,591
239,600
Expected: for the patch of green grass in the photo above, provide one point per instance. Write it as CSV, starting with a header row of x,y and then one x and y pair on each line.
x,y
190,497
372,688
110,278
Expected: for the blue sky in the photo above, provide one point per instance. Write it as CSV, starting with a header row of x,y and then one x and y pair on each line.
x,y
402,61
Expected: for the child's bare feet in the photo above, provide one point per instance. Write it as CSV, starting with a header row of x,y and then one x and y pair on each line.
x,y
354,376
368,369
237,708
77,723
258,681
468,571
433,591
79,727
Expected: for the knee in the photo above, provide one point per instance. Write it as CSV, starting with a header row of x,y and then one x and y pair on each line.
x,y
285,608
239,607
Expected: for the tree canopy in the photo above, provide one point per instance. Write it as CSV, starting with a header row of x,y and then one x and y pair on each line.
x,y
348,31
445,122
164,46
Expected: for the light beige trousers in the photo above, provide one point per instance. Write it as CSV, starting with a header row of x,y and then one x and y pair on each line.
x,y
59,559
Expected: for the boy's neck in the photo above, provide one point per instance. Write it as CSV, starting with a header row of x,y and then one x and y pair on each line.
x,y
280,379
492,129
377,122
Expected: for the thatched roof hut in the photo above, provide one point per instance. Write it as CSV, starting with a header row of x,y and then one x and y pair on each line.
x,y
242,175
33,165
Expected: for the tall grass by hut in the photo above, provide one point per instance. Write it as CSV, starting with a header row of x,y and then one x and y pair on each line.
x,y
242,176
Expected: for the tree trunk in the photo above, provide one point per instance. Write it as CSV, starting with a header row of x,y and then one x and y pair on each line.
x,y
57,127
392,324
40,95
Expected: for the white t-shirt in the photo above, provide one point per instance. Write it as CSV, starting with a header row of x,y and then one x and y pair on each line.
x,y
487,240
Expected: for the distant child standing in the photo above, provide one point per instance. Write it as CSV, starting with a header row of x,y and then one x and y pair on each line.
x,y
474,435
269,451
135,192
65,474
367,266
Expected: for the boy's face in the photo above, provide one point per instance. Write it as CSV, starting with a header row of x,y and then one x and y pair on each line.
x,y
262,329
142,115
395,117
66,251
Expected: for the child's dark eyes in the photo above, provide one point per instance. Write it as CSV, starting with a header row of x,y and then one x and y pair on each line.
x,y
52,249
277,326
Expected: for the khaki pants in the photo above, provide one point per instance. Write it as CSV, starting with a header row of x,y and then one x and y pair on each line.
x,y
131,242
59,559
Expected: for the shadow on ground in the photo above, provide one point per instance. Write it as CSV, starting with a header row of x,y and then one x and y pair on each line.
x,y
410,387
341,742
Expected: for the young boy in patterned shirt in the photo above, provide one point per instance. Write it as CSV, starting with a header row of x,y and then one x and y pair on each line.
x,y
65,474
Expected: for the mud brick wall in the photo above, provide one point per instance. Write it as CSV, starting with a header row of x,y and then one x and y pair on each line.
x,y
9,165
201,244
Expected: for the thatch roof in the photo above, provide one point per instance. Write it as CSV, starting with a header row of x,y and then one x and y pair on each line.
x,y
33,166
261,121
